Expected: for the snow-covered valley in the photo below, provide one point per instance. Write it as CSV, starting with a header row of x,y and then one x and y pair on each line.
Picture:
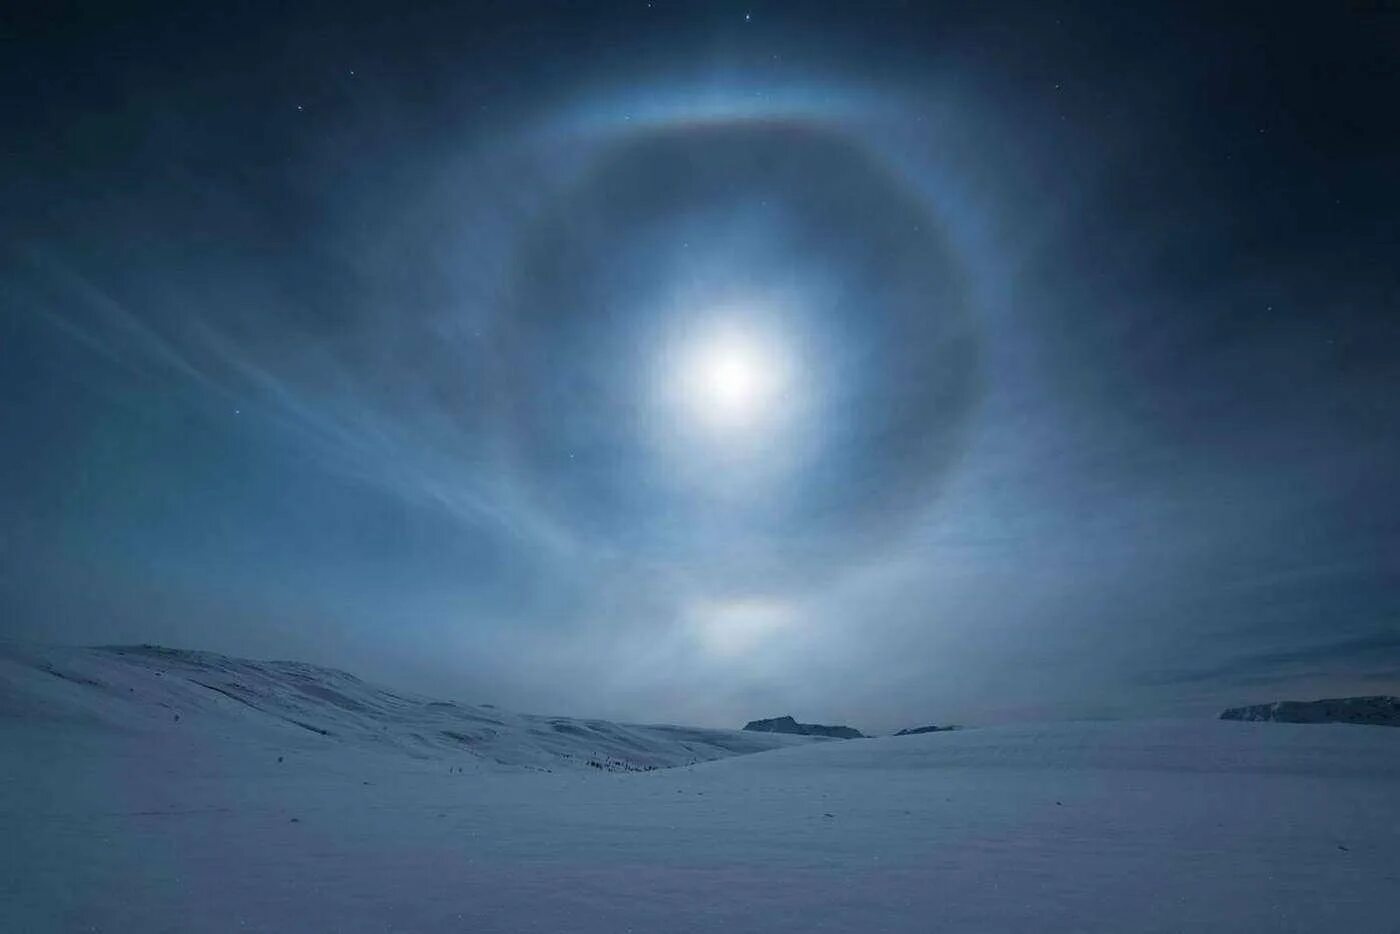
x,y
303,799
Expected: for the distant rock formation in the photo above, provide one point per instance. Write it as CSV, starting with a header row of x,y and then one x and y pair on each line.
x,y
1378,710
789,725
913,731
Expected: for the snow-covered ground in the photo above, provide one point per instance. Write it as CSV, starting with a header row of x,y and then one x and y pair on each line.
x,y
115,816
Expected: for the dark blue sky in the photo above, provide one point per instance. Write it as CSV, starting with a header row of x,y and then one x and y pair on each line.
x,y
879,362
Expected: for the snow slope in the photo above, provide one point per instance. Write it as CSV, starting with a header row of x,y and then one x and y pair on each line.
x,y
1131,826
292,703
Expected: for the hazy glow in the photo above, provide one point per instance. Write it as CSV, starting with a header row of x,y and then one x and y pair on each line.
x,y
735,627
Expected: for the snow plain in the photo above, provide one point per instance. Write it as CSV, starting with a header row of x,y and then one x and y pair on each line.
x,y
306,800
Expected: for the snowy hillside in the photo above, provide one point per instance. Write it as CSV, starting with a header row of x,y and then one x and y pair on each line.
x,y
291,703
248,822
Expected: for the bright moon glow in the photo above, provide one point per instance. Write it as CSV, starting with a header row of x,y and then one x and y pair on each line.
x,y
733,380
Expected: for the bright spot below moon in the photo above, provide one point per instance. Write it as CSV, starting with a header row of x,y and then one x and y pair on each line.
x,y
737,627
732,380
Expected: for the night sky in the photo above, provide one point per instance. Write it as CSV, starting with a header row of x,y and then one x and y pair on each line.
x,y
880,363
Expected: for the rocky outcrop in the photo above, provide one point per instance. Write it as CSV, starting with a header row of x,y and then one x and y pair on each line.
x,y
789,725
1378,710
914,731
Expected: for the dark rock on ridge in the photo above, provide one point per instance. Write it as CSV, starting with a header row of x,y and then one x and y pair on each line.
x,y
789,725
1377,710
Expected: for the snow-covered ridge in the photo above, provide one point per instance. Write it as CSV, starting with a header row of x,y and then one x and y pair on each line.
x,y
153,688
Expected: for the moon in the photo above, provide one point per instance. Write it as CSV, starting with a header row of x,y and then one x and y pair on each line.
x,y
732,381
